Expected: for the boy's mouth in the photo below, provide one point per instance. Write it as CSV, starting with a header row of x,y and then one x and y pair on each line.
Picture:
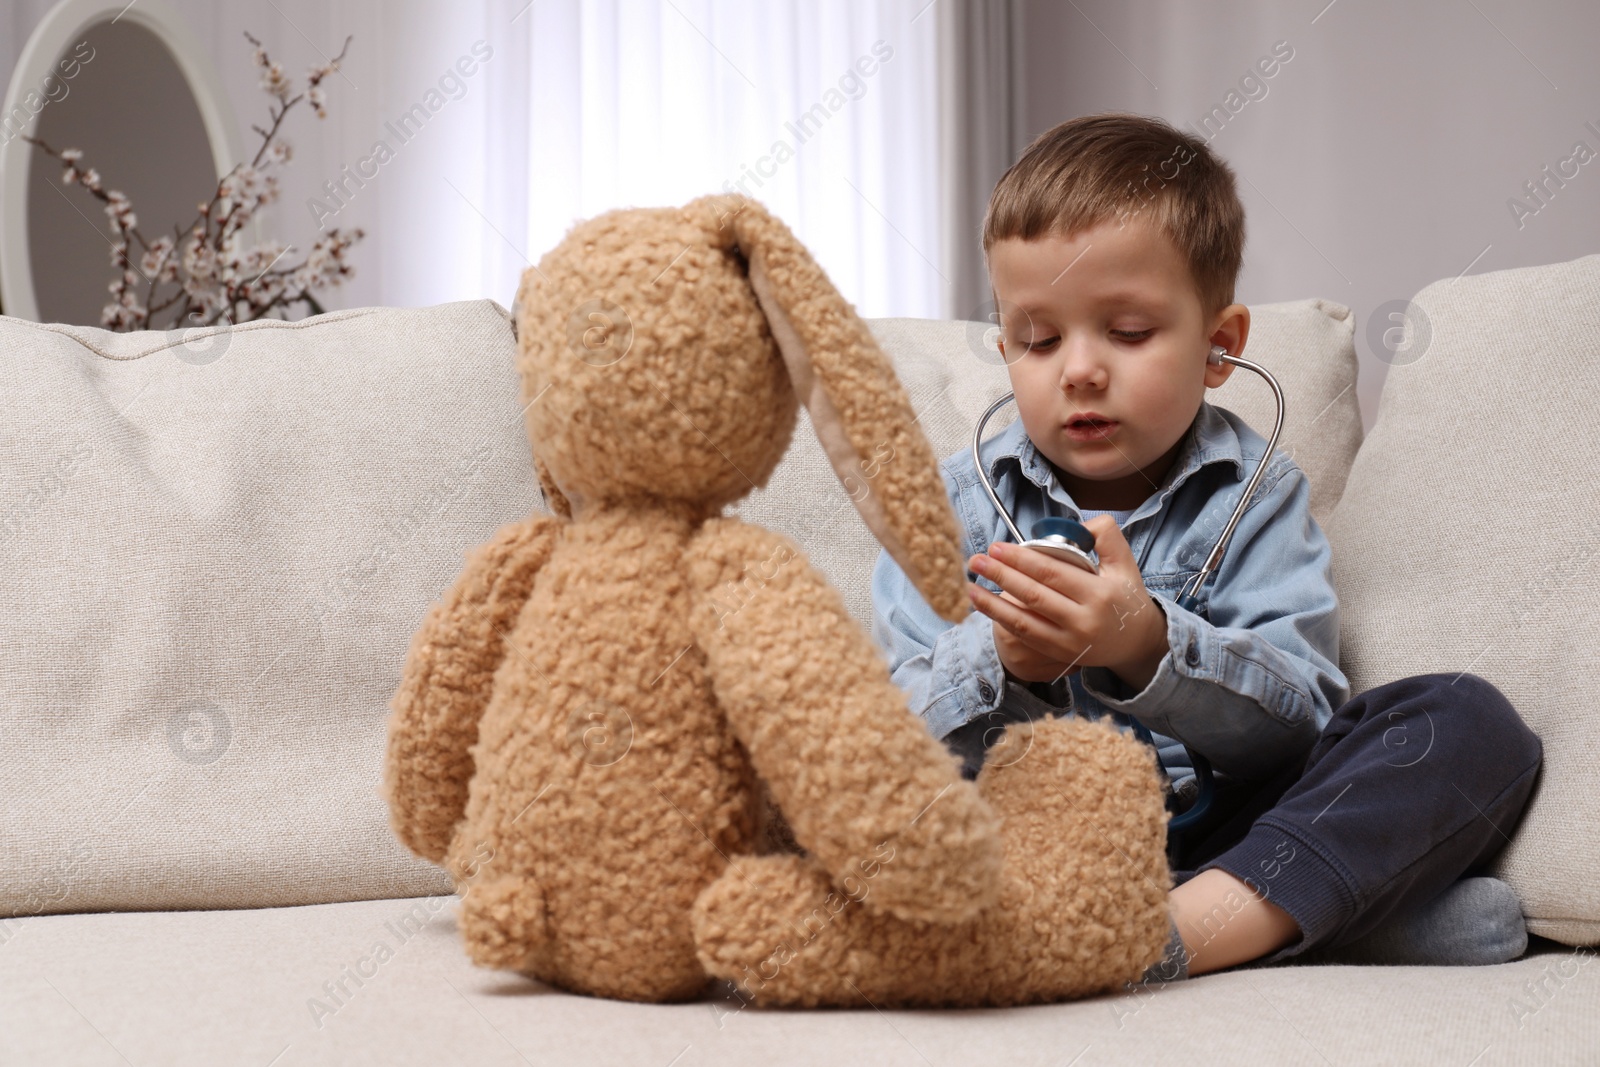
x,y
1090,427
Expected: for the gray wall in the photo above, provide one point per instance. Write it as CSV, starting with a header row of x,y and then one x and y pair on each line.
x,y
1382,156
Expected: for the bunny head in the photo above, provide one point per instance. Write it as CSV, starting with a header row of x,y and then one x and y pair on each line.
x,y
664,353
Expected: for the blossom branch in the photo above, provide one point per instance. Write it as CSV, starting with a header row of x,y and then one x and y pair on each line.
x,y
217,280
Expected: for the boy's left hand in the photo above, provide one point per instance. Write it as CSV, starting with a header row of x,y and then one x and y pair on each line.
x,y
1068,614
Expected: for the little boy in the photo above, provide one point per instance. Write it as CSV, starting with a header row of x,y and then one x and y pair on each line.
x,y
1113,247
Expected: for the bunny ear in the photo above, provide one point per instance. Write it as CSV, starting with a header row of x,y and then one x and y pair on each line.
x,y
858,407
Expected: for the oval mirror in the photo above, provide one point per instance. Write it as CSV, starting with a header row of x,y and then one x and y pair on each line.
x,y
130,86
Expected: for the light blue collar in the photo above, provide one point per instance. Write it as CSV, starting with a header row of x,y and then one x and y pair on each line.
x,y
1210,439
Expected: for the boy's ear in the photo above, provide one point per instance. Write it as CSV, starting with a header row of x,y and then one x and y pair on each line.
x,y
1230,329
1215,375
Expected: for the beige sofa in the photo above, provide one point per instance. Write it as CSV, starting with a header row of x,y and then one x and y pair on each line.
x,y
216,546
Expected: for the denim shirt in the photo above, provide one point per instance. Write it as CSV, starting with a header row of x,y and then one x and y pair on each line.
x,y
1250,676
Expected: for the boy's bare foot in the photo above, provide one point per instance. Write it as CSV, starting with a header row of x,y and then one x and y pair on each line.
x,y
1223,922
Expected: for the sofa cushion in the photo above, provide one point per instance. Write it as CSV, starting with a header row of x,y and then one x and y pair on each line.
x,y
1464,542
385,982
953,372
217,545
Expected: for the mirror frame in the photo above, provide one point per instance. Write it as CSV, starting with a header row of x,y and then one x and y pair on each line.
x,y
63,26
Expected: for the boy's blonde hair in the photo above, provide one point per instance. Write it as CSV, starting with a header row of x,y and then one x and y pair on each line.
x,y
1117,166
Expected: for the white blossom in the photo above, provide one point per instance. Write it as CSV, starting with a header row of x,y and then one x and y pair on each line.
x,y
199,261
120,210
273,81
156,256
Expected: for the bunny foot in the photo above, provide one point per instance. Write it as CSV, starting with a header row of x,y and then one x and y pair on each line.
x,y
1082,909
503,923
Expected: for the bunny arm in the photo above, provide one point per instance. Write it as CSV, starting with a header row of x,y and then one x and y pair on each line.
x,y
447,680
865,787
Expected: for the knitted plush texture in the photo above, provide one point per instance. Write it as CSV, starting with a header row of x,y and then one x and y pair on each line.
x,y
1082,908
583,715
592,720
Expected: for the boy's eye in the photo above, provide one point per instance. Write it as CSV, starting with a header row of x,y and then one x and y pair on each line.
x,y
1045,344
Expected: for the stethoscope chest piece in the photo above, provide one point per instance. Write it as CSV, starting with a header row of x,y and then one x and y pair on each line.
x,y
1066,540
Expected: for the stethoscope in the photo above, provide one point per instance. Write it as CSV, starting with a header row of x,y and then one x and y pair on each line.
x,y
1069,540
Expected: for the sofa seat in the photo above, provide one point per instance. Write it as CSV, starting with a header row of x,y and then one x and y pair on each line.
x,y
259,987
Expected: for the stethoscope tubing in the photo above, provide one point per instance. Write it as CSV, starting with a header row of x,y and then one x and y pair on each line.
x,y
1189,596
1191,590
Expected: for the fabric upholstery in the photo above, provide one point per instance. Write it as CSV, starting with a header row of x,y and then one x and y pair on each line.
x,y
1465,542
216,548
386,982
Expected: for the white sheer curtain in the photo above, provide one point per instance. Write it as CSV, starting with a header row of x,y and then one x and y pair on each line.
x,y
826,110
584,105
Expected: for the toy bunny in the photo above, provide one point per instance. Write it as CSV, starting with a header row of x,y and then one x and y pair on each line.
x,y
587,717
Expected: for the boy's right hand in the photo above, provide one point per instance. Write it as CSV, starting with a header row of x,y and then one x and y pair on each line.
x,y
1023,661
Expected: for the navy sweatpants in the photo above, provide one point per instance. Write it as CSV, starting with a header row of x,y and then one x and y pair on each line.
x,y
1411,785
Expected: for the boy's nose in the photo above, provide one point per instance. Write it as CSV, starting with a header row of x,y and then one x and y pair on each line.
x,y
1081,369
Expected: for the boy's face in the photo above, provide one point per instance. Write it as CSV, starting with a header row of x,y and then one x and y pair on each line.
x,y
1108,323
